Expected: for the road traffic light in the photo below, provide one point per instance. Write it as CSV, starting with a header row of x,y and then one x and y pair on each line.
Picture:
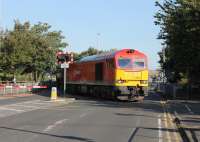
x,y
64,57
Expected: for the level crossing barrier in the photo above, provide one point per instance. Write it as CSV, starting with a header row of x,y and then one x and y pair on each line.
x,y
10,89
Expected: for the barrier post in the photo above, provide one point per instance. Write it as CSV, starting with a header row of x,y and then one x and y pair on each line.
x,y
53,93
4,90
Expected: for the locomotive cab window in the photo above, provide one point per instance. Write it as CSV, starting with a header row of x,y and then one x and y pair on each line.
x,y
128,63
124,62
139,64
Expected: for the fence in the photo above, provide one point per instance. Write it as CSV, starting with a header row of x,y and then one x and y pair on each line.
x,y
175,91
11,89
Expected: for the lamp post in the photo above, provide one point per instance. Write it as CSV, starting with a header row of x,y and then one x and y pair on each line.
x,y
1,41
98,40
164,70
2,34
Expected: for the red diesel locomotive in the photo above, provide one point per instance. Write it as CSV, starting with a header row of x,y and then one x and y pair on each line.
x,y
117,74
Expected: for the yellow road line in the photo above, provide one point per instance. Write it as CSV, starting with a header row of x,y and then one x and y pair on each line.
x,y
169,122
166,126
163,103
160,136
176,136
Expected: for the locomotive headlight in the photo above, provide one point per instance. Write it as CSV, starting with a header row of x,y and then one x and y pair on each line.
x,y
143,81
121,81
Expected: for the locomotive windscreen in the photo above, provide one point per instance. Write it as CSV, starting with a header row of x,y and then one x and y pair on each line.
x,y
138,64
128,63
124,63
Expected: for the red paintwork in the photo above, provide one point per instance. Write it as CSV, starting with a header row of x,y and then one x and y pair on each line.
x,y
135,55
84,71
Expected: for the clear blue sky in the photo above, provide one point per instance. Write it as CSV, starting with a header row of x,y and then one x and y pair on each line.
x,y
121,23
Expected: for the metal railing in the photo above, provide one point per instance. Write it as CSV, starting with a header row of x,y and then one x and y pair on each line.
x,y
10,89
176,91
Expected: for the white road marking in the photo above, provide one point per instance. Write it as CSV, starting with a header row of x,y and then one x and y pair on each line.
x,y
17,108
83,115
190,111
86,113
159,129
61,121
22,105
27,102
176,114
50,127
12,109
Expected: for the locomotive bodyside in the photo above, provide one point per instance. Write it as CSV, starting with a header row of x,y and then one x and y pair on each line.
x,y
112,75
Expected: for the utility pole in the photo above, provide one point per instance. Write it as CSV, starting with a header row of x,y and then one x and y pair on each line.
x,y
98,41
1,24
1,15
164,59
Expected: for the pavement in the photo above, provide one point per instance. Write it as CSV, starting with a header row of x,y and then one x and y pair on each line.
x,y
188,118
37,119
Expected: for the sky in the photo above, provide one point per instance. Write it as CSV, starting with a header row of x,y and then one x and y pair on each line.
x,y
103,24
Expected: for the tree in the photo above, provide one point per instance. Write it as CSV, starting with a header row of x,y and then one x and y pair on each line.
x,y
30,49
179,21
90,51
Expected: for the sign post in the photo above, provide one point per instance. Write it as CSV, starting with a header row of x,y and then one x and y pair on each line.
x,y
64,66
64,88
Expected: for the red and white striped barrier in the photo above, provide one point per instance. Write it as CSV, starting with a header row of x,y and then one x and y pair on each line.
x,y
22,87
19,90
36,87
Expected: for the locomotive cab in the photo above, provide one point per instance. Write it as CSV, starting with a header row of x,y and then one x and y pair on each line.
x,y
131,73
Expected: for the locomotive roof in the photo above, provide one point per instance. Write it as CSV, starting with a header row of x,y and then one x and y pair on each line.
x,y
106,55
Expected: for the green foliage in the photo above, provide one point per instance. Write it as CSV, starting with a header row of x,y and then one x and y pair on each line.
x,y
179,21
90,51
30,49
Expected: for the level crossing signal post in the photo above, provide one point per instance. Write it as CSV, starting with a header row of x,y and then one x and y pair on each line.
x,y
64,59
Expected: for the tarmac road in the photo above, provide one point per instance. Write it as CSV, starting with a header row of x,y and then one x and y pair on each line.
x,y
35,119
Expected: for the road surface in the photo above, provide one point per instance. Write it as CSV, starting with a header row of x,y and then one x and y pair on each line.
x,y
36,119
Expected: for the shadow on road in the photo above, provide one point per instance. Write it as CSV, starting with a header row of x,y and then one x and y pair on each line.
x,y
52,135
192,121
42,92
152,129
126,114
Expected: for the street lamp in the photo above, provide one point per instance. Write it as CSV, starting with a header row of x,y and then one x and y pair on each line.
x,y
98,40
1,41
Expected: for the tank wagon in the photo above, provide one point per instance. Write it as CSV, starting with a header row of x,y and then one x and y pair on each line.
x,y
121,74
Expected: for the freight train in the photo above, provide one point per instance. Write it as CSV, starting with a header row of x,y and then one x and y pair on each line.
x,y
121,74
